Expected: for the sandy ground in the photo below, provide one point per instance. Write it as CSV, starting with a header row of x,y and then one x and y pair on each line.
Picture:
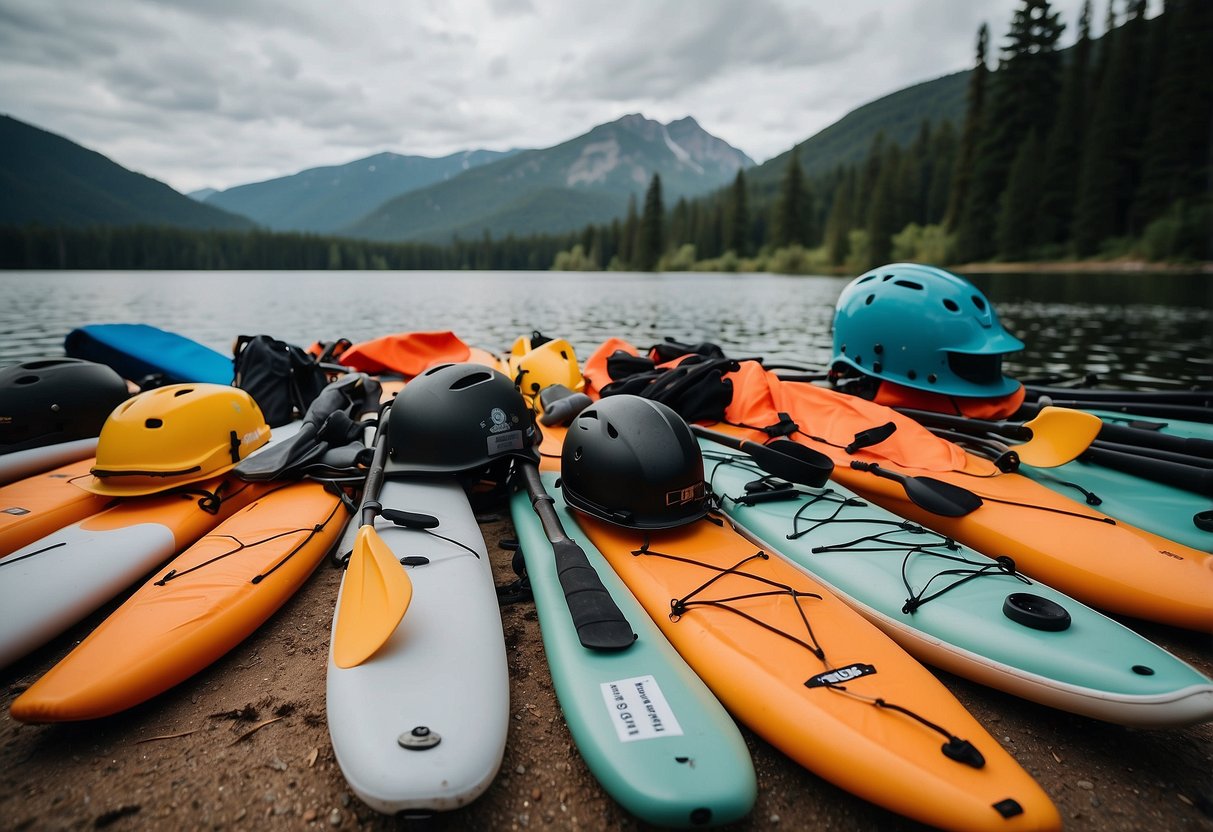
x,y
244,745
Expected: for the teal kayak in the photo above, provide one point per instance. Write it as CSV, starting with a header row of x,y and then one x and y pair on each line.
x,y
957,609
648,729
1172,512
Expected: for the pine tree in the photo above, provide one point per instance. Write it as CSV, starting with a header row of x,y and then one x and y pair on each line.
x,y
975,102
739,225
1018,212
882,210
838,225
1023,95
941,162
652,228
680,220
1063,148
1106,181
1177,162
629,236
791,211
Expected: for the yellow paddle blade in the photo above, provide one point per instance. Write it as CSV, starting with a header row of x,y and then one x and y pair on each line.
x,y
374,597
1059,435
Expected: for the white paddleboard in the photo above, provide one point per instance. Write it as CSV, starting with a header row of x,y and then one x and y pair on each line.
x,y
421,725
21,464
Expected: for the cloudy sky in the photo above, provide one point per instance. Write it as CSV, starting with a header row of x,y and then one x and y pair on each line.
x,y
223,92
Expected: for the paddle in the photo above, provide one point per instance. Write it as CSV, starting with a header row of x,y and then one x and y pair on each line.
x,y
1195,478
936,496
782,458
600,623
1127,435
377,590
1096,398
1054,437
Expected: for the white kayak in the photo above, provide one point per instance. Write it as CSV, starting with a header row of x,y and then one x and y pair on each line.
x,y
57,580
421,725
21,464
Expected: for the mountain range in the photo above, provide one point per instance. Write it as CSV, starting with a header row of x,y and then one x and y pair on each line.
x,y
49,180
327,199
588,179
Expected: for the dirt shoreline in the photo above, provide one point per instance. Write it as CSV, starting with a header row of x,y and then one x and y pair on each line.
x,y
244,745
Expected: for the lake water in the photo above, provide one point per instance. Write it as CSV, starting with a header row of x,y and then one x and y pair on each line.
x,y
1134,330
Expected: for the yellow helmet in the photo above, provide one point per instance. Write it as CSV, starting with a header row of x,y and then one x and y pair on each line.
x,y
175,435
552,362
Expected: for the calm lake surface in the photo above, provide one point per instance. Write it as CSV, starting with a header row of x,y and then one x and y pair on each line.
x,y
1135,330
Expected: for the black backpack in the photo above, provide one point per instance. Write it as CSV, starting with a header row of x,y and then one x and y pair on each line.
x,y
282,378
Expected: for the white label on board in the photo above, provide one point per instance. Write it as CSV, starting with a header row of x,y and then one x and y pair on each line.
x,y
639,709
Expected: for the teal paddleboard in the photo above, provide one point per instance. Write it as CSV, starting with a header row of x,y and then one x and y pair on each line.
x,y
648,729
957,609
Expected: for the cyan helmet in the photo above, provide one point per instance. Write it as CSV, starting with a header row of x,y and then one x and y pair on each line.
x,y
925,328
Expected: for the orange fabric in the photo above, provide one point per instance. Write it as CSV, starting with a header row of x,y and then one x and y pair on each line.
x,y
408,353
595,371
896,395
759,396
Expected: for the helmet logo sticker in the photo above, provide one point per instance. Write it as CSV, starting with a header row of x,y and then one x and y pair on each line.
x,y
500,421
682,496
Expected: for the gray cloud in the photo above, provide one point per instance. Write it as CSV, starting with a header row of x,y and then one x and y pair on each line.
x,y
229,91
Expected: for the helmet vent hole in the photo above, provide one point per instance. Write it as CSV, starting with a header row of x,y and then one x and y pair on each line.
x,y
611,431
154,423
979,302
908,284
866,279
470,380
26,380
868,300
950,305
183,392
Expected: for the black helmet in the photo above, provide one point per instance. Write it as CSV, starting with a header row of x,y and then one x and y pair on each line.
x,y
55,400
456,417
633,462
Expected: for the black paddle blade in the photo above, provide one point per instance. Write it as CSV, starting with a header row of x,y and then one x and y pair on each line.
x,y
791,461
936,496
782,458
600,624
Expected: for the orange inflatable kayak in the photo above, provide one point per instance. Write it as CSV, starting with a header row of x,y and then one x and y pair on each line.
x,y
33,507
195,609
1072,547
818,681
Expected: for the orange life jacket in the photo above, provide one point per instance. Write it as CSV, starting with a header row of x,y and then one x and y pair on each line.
x,y
408,353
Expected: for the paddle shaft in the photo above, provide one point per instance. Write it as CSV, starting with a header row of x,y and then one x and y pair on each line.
x,y
599,622
1188,477
374,474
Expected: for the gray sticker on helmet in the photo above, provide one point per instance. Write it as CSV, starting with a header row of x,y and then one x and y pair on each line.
x,y
500,443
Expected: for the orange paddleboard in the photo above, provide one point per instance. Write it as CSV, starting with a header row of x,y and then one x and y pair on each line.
x,y
195,609
33,507
819,682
